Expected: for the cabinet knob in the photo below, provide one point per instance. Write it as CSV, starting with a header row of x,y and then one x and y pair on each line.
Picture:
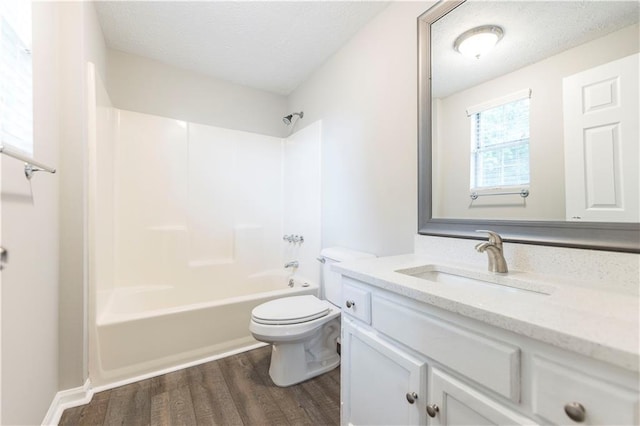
x,y
575,411
411,397
432,410
350,303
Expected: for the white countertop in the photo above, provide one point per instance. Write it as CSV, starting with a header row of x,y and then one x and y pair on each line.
x,y
599,324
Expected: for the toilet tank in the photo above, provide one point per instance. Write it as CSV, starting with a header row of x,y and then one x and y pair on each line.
x,y
331,289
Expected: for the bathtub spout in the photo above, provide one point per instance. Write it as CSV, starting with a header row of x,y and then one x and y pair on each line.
x,y
293,264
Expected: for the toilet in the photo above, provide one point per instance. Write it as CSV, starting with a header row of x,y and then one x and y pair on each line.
x,y
304,330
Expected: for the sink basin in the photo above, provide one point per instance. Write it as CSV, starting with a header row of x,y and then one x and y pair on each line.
x,y
462,278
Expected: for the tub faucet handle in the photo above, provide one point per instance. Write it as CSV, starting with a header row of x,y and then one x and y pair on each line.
x,y
295,239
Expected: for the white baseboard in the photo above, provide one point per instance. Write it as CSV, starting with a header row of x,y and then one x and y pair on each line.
x,y
75,397
68,398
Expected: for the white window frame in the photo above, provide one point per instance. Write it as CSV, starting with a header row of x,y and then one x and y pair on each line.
x,y
471,113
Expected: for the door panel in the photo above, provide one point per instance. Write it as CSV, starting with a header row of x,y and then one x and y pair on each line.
x,y
601,142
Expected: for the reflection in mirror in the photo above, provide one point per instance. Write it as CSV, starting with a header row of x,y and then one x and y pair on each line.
x,y
545,125
536,138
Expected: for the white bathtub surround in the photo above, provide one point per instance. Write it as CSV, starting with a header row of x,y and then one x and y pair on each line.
x,y
585,319
194,200
186,224
302,197
133,303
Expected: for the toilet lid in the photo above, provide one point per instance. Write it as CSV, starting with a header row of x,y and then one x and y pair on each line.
x,y
290,310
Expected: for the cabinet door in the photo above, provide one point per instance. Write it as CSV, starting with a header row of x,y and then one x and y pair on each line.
x,y
376,378
556,386
456,403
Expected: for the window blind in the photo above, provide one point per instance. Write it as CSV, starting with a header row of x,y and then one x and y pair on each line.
x,y
500,145
16,69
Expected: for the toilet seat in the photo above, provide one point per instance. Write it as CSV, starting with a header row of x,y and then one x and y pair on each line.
x,y
290,310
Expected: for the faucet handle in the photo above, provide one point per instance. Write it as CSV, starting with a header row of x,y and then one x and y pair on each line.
x,y
494,237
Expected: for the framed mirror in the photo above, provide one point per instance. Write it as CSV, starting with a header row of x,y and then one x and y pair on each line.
x,y
503,142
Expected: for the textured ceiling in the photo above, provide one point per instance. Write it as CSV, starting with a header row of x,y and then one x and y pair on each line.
x,y
533,30
270,45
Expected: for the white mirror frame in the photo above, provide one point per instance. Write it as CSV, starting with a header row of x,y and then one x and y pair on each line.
x,y
623,237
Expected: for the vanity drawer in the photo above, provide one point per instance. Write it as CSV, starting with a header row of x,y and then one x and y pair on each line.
x,y
492,363
556,386
356,300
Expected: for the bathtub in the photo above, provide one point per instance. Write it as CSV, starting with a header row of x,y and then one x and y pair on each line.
x,y
144,329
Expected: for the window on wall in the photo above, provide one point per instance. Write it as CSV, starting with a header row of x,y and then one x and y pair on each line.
x,y
500,142
16,84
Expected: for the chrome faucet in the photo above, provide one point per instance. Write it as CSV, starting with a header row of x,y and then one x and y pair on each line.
x,y
493,248
292,264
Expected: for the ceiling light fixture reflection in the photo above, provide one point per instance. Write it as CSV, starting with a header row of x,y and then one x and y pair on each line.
x,y
478,41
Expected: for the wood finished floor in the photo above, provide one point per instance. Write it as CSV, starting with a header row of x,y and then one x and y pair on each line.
x,y
236,390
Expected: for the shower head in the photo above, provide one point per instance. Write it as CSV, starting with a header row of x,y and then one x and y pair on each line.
x,y
287,119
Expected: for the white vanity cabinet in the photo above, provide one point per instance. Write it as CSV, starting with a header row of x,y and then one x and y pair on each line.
x,y
407,362
382,384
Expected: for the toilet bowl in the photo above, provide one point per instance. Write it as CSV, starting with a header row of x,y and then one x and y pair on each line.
x,y
304,330
304,344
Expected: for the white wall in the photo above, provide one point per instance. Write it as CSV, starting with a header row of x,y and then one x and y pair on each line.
x,y
80,41
547,198
144,85
43,223
366,96
30,233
